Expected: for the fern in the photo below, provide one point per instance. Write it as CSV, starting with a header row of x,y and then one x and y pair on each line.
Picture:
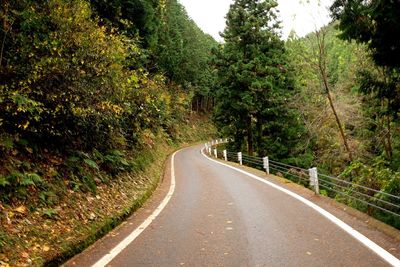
x,y
50,213
91,164
3,181
31,179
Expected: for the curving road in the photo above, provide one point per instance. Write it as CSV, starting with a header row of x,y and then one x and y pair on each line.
x,y
220,217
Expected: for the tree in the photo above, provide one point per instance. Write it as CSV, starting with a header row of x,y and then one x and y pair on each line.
x,y
62,76
133,17
375,23
321,54
254,81
171,43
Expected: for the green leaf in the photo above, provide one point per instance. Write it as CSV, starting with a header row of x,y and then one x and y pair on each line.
x,y
124,162
26,181
117,153
91,164
49,213
3,181
35,178
7,143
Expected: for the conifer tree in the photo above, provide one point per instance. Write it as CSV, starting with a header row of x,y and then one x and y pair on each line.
x,y
254,81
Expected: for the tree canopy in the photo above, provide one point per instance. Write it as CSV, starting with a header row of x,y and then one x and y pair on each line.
x,y
254,80
375,23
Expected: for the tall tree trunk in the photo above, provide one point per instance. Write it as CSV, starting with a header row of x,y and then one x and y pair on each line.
x,y
389,139
259,136
342,133
6,30
249,136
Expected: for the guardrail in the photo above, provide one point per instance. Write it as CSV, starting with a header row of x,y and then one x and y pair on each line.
x,y
359,196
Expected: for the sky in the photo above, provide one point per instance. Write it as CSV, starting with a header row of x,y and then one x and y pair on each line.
x,y
302,16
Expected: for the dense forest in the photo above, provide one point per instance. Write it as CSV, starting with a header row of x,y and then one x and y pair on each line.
x,y
80,77
87,86
88,91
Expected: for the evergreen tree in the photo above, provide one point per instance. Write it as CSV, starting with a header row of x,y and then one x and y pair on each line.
x,y
375,23
255,84
132,17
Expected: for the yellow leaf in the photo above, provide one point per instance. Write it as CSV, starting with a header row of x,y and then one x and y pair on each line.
x,y
26,125
21,209
45,248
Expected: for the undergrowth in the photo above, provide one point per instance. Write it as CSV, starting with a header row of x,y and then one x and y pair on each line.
x,y
53,205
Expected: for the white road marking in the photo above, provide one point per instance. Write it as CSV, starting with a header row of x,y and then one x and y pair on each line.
x,y
135,233
392,260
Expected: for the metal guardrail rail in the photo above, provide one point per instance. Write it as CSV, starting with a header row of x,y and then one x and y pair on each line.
x,y
340,189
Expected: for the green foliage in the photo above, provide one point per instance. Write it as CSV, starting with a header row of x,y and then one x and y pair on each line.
x,y
83,84
255,83
31,179
48,197
132,17
5,240
68,81
366,99
3,181
342,60
374,23
64,75
183,50
379,177
16,184
6,143
89,183
49,213
91,164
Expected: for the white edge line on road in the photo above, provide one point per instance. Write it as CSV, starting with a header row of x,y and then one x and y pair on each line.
x,y
347,228
135,233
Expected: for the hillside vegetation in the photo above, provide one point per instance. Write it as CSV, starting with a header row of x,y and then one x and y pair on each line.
x,y
89,92
84,86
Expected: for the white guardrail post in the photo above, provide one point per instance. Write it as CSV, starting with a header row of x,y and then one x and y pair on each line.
x,y
215,153
240,158
314,179
225,155
266,164
209,150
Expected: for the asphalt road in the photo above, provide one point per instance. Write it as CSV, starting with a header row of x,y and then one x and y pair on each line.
x,y
220,217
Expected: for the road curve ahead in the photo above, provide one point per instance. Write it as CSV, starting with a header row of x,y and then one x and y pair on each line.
x,y
220,217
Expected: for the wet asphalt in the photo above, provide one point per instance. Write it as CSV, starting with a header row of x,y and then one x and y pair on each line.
x,y
220,217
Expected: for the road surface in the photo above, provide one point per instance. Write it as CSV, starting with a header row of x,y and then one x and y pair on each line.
x,y
220,217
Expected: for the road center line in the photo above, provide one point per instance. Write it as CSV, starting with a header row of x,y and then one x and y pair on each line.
x,y
347,228
135,233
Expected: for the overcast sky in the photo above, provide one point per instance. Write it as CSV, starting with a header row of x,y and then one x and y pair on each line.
x,y
297,15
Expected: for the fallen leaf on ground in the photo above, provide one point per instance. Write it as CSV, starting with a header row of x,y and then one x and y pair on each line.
x,y
21,209
24,255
